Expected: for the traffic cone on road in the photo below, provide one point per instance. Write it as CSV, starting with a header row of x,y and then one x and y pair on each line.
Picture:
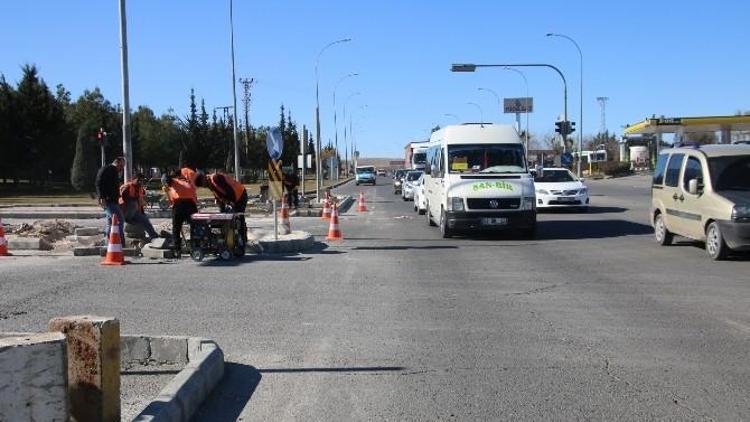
x,y
114,248
361,207
3,242
334,232
286,226
326,209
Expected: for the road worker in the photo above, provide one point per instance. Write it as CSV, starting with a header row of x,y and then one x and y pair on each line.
x,y
132,200
183,197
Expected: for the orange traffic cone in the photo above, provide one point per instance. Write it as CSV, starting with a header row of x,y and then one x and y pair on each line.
x,y
114,248
334,232
3,242
286,226
326,209
361,207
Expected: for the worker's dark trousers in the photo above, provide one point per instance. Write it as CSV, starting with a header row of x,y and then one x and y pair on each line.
x,y
181,212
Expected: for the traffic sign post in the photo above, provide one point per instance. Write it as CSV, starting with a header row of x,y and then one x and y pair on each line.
x,y
275,146
101,136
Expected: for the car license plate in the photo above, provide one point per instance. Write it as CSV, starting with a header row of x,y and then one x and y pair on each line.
x,y
494,221
566,199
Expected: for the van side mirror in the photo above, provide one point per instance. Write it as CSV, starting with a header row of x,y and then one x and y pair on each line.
x,y
693,187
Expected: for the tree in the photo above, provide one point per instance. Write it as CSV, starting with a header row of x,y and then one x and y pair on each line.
x,y
604,141
9,144
80,173
701,138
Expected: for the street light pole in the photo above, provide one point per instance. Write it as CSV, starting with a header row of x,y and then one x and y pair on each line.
x,y
234,95
127,148
471,67
497,97
526,82
481,113
345,140
458,119
335,124
318,162
580,117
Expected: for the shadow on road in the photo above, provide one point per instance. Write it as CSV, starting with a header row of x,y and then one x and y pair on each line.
x,y
589,229
401,248
324,369
591,210
232,394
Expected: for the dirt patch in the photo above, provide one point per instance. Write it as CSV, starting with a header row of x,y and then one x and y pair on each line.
x,y
49,230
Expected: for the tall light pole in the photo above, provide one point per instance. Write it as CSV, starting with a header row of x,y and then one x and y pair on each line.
x,y
127,149
580,117
318,172
497,97
335,124
345,140
458,119
234,95
526,83
481,113
355,153
471,67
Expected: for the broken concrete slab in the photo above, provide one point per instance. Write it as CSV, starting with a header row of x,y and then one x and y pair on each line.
x,y
129,252
150,252
88,231
88,251
33,243
159,243
93,240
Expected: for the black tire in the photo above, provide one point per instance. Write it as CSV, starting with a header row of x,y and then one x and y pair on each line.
x,y
662,236
429,219
716,247
420,211
444,230
197,254
225,255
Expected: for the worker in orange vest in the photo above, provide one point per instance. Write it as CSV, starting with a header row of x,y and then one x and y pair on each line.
x,y
184,199
226,190
132,201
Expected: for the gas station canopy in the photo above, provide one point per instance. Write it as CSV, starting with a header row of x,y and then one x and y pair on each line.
x,y
657,125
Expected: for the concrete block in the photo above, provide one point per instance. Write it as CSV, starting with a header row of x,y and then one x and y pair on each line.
x,y
88,231
33,371
134,350
87,251
171,350
28,243
129,252
150,252
94,240
93,345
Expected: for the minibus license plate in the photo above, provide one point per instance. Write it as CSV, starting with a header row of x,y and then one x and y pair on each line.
x,y
494,221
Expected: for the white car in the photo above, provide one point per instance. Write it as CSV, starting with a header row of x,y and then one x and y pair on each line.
x,y
410,180
420,205
560,188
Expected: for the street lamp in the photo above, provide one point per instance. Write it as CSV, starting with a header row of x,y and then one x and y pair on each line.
x,y
234,96
458,119
335,124
345,141
481,113
127,147
355,153
497,97
317,115
526,82
471,67
580,117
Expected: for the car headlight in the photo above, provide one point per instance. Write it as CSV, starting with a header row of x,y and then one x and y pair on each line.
x,y
455,204
528,204
741,212
397,183
542,191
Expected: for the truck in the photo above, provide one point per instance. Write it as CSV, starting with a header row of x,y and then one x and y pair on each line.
x,y
415,155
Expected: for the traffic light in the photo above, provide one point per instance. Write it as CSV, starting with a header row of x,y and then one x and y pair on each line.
x,y
559,127
564,127
571,127
100,135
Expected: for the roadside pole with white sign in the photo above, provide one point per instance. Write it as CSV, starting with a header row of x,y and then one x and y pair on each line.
x,y
518,106
275,146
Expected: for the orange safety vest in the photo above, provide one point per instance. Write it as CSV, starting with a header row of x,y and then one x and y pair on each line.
x,y
237,187
182,189
133,192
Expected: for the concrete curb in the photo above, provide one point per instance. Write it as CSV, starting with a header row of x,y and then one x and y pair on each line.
x,y
302,242
178,400
344,206
72,215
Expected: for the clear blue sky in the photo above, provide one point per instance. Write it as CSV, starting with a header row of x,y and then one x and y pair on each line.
x,y
668,57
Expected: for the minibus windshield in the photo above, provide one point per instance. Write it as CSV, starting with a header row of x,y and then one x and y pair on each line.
x,y
486,158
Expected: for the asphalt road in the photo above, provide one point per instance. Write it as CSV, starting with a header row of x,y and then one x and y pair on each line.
x,y
591,321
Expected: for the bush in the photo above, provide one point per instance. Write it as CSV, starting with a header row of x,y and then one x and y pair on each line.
x,y
615,168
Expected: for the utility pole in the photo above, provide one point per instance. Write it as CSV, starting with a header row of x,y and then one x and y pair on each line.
x,y
603,106
127,149
246,83
234,95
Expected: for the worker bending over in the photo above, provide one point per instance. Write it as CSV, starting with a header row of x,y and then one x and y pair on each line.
x,y
184,199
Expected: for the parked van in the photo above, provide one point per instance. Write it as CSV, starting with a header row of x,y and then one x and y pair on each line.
x,y
476,179
703,193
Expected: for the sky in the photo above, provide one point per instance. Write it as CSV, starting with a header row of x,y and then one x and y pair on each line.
x,y
672,58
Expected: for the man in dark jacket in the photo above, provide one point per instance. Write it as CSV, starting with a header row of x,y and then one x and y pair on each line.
x,y
108,192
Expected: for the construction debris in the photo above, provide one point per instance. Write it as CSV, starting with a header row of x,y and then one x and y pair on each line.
x,y
49,230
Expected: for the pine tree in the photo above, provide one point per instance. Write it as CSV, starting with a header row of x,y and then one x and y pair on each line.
x,y
80,174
